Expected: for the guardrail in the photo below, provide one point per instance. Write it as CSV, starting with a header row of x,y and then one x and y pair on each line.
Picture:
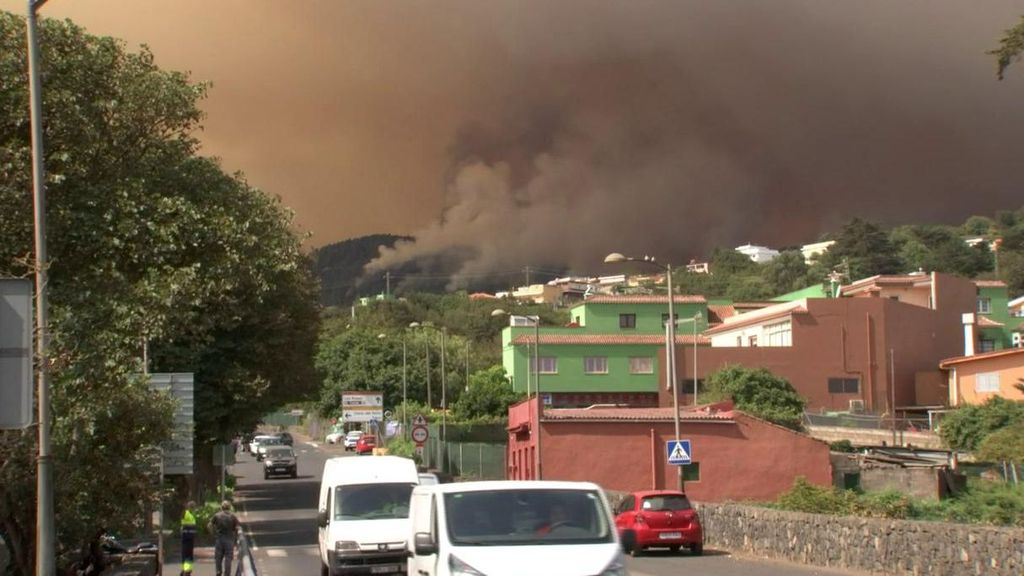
x,y
246,561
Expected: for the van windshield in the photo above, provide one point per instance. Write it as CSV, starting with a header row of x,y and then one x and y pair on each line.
x,y
372,501
526,517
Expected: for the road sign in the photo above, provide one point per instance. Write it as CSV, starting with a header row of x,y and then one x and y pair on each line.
x,y
419,420
387,414
15,353
178,454
362,406
678,451
419,450
420,434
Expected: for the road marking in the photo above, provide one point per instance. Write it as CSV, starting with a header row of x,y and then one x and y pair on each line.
x,y
314,444
277,553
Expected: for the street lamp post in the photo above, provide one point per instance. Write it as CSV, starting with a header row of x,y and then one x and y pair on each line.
x,y
670,343
444,388
45,530
535,321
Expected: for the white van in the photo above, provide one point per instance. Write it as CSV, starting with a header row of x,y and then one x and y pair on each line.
x,y
511,528
364,515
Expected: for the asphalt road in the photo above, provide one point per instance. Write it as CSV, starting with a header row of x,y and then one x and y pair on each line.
x,y
280,517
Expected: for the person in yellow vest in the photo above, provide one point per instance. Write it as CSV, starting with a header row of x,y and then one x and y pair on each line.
x,y
188,539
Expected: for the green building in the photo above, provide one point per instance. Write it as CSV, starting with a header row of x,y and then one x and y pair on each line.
x,y
608,354
995,323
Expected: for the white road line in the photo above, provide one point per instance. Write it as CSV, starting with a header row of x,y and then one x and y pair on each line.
x,y
277,553
314,444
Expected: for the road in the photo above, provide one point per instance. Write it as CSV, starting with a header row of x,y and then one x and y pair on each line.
x,y
280,517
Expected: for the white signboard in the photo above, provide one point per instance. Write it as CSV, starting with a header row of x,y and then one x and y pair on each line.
x,y
15,353
362,406
178,451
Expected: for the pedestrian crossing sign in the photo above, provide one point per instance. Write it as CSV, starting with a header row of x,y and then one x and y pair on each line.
x,y
678,452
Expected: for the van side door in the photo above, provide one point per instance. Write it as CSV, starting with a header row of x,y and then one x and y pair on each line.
x,y
425,545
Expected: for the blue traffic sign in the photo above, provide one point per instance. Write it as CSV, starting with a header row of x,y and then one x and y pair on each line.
x,y
678,452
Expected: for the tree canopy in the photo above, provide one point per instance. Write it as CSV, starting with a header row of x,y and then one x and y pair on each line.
x,y
966,427
149,245
759,393
1011,45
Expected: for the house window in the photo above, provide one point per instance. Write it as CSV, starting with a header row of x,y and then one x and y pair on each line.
x,y
627,320
664,318
779,334
548,365
984,305
739,341
986,345
691,472
843,385
595,365
687,386
986,382
752,341
641,365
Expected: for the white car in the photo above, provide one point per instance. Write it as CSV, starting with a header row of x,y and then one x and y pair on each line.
x,y
334,436
352,438
255,443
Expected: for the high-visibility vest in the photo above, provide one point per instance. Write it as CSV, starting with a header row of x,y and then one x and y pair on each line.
x,y
186,567
188,521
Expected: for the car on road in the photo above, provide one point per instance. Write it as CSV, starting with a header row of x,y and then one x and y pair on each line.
x,y
352,438
266,443
280,461
366,444
286,438
335,435
254,444
660,519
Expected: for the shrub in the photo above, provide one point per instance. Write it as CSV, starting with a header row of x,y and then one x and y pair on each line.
x,y
806,497
842,446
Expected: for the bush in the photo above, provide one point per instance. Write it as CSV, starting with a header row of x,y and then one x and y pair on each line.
x,y
402,447
806,497
888,504
842,446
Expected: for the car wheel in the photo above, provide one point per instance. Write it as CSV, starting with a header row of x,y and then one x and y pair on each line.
x,y
635,551
295,474
324,570
266,476
697,549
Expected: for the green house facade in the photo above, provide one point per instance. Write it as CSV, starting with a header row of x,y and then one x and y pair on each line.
x,y
608,354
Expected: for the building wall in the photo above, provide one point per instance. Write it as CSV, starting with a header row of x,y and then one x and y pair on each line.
x,y
1010,370
746,459
570,363
849,338
603,318
999,302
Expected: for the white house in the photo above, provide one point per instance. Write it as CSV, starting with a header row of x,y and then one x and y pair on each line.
x,y
759,254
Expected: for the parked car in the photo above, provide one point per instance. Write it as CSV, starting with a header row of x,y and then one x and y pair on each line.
x,y
660,519
352,438
366,444
280,460
264,444
286,438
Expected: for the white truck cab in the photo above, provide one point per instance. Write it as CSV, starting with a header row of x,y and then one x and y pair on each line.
x,y
511,528
363,515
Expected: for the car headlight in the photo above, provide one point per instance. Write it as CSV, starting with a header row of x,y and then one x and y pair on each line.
x,y
345,546
616,568
459,568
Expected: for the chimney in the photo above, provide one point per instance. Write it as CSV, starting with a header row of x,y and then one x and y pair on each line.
x,y
968,320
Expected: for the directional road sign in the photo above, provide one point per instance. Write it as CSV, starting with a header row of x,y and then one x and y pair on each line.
x,y
678,451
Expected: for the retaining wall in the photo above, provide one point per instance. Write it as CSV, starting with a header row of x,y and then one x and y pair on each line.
x,y
900,547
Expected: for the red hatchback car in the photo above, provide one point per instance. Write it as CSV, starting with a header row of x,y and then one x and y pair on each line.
x,y
366,444
660,519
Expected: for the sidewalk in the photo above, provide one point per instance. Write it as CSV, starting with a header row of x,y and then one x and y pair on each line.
x,y
203,561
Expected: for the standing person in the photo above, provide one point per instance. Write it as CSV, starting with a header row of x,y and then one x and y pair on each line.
x,y
188,538
225,526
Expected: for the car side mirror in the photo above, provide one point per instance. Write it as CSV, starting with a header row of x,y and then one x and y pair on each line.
x,y
423,544
628,538
321,518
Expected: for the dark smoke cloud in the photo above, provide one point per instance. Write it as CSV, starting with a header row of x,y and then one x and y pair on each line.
x,y
551,133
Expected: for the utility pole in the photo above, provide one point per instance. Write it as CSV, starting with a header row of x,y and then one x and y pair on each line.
x,y
527,275
892,392
387,284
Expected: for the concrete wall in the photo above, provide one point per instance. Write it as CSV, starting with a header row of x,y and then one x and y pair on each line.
x,y
868,437
876,545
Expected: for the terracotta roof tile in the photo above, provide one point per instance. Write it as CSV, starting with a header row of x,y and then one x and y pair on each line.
x,y
987,322
644,299
719,312
589,339
637,414
983,356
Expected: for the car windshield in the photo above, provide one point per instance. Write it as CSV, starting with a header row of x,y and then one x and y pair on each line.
x,y
355,434
526,517
372,501
279,453
270,441
665,503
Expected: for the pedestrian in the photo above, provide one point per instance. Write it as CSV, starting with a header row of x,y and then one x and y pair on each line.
x,y
188,538
224,526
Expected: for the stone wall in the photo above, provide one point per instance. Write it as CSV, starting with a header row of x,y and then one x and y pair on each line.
x,y
898,547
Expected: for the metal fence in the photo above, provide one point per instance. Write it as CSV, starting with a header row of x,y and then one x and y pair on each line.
x,y
870,422
471,452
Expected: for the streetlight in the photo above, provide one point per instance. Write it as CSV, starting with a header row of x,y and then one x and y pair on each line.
x,y
405,418
444,387
535,322
670,343
45,530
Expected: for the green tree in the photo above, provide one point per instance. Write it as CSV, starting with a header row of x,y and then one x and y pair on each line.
x,y
148,243
862,249
1010,47
1003,445
758,392
966,427
786,273
940,249
489,396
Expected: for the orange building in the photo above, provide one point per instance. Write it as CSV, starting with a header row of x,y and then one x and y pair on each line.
x,y
974,379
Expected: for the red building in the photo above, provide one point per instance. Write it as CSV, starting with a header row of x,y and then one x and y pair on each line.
x,y
735,456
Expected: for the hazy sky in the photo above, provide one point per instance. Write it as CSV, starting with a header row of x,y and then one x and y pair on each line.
x,y
551,132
